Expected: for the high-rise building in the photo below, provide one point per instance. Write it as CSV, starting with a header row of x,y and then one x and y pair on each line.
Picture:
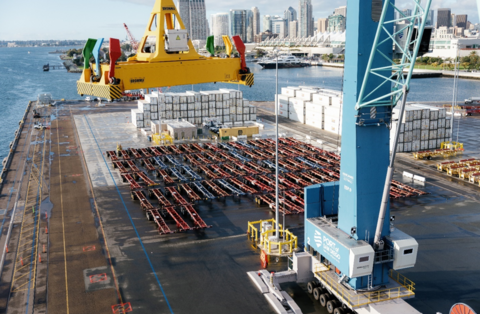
x,y
279,26
267,23
293,29
336,23
194,18
461,20
444,17
452,20
256,21
322,25
290,14
250,37
305,25
430,18
238,23
219,27
407,12
341,11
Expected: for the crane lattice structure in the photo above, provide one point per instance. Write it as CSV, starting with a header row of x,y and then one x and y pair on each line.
x,y
132,39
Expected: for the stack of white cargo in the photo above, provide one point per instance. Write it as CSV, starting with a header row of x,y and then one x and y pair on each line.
x,y
313,106
226,105
422,128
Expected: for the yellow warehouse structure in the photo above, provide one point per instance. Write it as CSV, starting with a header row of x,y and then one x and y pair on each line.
x,y
236,131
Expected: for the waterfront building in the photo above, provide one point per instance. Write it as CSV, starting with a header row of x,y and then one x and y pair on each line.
x,y
267,23
461,20
341,11
430,18
279,26
444,17
290,15
293,29
322,25
264,36
219,27
305,24
194,18
256,21
336,23
238,23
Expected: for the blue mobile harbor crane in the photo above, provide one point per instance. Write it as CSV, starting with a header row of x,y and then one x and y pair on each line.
x,y
352,253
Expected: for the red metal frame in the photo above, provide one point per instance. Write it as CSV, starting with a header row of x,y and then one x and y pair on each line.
x,y
132,166
146,179
197,220
120,166
125,154
210,174
298,180
234,171
135,153
162,200
197,147
112,155
160,222
145,153
220,192
176,196
295,198
148,165
242,186
166,178
133,184
210,146
220,172
257,183
191,194
245,168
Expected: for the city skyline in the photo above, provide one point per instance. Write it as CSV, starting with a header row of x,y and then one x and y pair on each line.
x,y
73,26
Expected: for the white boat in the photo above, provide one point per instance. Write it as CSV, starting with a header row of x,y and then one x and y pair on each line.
x,y
284,61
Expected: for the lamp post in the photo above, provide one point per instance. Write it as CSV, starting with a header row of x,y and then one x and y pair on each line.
x,y
277,231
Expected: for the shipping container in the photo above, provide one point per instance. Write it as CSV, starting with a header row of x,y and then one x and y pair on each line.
x,y
290,91
322,99
143,105
151,99
313,107
154,116
137,115
295,116
305,95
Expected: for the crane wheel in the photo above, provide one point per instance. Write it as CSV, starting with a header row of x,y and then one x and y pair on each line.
x,y
339,310
324,298
331,306
316,293
310,286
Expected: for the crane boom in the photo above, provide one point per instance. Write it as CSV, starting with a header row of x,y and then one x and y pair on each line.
x,y
132,39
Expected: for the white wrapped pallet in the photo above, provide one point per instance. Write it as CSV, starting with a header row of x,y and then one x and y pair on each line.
x,y
161,115
337,102
442,113
137,115
139,124
168,98
183,114
211,105
400,148
441,123
146,115
204,113
333,112
211,112
232,92
425,124
448,123
322,99
305,95
417,124
197,97
246,116
168,106
333,127
239,118
160,98
283,113
204,105
408,115
153,108
432,144
423,145
290,91
424,134
154,116
416,135
313,107
175,98
198,120
439,142
314,119
246,110
219,112
253,117
295,116
440,132
434,114
183,106
253,109
210,94
432,134
191,106
176,114
409,126
425,111
151,99
239,110
143,105
226,111
192,113
408,137
226,118
176,107
415,145
147,123
407,147
168,114
433,124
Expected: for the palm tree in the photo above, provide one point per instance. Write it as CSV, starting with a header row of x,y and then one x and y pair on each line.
x,y
435,64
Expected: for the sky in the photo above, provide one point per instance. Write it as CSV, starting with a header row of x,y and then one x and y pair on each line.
x,y
60,19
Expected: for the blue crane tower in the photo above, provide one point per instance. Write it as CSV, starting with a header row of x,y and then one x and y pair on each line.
x,y
345,225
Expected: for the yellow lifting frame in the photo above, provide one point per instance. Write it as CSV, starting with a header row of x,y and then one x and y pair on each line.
x,y
286,238
160,68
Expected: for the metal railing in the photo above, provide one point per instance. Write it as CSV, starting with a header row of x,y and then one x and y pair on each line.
x,y
355,298
285,237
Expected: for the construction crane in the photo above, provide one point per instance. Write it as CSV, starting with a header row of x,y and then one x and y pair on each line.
x,y
165,57
352,251
132,39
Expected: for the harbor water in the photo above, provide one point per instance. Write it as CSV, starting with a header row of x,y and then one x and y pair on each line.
x,y
22,79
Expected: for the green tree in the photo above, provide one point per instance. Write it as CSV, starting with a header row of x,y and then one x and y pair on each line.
x,y
330,57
